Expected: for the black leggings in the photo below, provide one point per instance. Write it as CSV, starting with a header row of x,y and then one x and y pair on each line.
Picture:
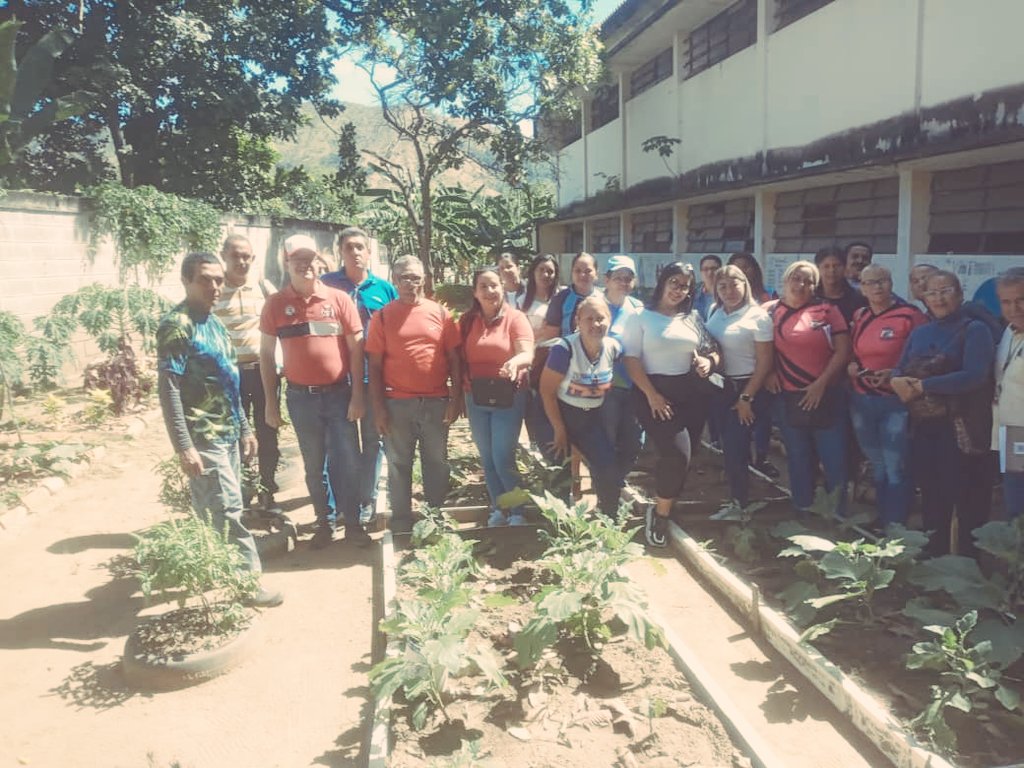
x,y
690,397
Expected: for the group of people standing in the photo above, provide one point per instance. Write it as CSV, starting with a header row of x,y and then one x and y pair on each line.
x,y
369,366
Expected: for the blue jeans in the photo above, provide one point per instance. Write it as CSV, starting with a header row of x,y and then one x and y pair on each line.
x,y
803,444
763,423
496,434
415,420
736,439
585,430
618,414
370,455
217,496
326,435
1013,494
882,424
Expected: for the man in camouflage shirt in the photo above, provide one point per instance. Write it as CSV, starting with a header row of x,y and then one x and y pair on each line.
x,y
199,396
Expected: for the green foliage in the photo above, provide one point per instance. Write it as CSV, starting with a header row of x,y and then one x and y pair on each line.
x,y
12,337
25,461
174,488
743,537
98,410
150,229
193,560
120,379
970,681
109,315
584,556
45,358
431,629
855,570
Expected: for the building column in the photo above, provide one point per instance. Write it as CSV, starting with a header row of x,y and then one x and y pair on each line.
x,y
764,225
623,78
680,228
585,99
911,224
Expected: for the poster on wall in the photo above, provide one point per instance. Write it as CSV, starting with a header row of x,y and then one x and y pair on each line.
x,y
977,274
776,263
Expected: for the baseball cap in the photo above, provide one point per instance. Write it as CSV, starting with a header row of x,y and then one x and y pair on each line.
x,y
297,243
621,262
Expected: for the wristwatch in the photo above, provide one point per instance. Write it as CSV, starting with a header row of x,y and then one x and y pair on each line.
x,y
746,398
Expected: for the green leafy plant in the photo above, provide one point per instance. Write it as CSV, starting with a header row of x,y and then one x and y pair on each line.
x,y
584,557
12,337
25,461
53,407
150,229
175,493
120,378
856,570
970,680
98,409
744,538
193,560
112,316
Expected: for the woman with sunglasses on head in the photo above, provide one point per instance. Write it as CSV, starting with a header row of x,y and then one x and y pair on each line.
x,y
945,376
497,349
812,348
669,355
880,421
744,331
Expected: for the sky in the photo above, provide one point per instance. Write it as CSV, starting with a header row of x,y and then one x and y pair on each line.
x,y
354,85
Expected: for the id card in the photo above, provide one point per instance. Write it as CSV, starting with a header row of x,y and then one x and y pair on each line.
x,y
1011,449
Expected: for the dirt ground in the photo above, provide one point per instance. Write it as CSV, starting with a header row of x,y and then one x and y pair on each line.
x,y
298,700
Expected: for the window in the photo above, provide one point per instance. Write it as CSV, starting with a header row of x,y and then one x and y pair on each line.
x,y
978,210
651,232
809,219
605,106
573,238
729,32
788,11
604,235
559,131
725,227
650,74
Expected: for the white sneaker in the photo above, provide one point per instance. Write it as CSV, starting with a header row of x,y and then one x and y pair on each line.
x,y
655,528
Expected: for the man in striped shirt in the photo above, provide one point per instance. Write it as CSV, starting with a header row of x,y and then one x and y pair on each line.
x,y
239,309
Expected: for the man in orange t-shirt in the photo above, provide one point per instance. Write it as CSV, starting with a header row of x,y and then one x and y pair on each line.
x,y
322,342
413,344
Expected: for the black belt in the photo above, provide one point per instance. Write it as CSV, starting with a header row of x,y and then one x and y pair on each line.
x,y
316,389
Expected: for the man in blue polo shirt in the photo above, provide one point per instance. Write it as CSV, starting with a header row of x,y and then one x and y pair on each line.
x,y
370,293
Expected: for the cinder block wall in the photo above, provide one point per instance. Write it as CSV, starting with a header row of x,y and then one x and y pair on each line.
x,y
44,243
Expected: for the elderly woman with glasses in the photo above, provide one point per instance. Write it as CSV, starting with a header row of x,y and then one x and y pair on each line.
x,y
812,348
669,355
880,420
945,378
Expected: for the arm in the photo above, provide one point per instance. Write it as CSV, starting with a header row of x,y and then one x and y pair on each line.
x,y
548,332
549,383
456,398
661,409
356,406
978,361
522,356
836,365
380,412
268,375
764,361
169,390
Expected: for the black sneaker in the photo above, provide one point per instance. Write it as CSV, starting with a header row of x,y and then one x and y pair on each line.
x,y
655,528
322,538
767,469
358,535
265,598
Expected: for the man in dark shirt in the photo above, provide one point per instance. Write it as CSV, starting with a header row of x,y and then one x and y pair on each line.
x,y
833,286
201,403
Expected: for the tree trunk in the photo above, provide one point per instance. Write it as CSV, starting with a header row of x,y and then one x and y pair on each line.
x,y
425,235
117,139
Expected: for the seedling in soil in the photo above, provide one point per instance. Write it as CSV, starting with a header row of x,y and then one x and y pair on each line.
x,y
970,680
856,568
744,538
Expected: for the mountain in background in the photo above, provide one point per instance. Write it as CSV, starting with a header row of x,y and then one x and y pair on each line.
x,y
315,147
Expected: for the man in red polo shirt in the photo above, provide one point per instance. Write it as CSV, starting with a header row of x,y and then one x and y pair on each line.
x,y
322,342
413,344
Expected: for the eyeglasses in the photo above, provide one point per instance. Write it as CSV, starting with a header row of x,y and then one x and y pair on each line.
x,y
875,283
937,293
679,284
622,277
411,279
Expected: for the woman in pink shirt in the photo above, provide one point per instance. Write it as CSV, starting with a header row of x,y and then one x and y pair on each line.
x,y
497,349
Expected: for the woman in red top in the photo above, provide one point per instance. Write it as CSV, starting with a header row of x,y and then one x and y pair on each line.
x,y
812,348
497,348
880,420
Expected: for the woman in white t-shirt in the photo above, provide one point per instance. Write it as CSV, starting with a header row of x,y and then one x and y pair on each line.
x,y
1009,406
577,375
541,286
744,331
669,355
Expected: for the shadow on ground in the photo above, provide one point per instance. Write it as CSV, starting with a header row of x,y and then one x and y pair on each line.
x,y
78,544
95,687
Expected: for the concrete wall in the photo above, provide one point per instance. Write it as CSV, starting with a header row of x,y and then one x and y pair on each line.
x,y
44,255
647,115
604,155
572,182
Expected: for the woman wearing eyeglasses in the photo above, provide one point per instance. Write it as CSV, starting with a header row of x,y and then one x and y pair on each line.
x,y
880,420
812,348
945,378
669,355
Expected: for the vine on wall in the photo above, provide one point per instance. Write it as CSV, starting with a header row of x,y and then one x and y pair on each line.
x,y
150,229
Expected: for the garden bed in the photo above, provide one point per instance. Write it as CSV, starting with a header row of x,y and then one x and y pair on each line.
x,y
874,631
537,678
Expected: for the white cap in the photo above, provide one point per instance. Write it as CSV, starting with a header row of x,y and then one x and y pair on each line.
x,y
297,243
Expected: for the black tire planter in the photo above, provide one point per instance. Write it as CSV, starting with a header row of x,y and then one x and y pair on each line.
x,y
144,672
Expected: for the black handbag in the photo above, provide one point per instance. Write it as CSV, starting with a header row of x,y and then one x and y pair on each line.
x,y
822,417
493,393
